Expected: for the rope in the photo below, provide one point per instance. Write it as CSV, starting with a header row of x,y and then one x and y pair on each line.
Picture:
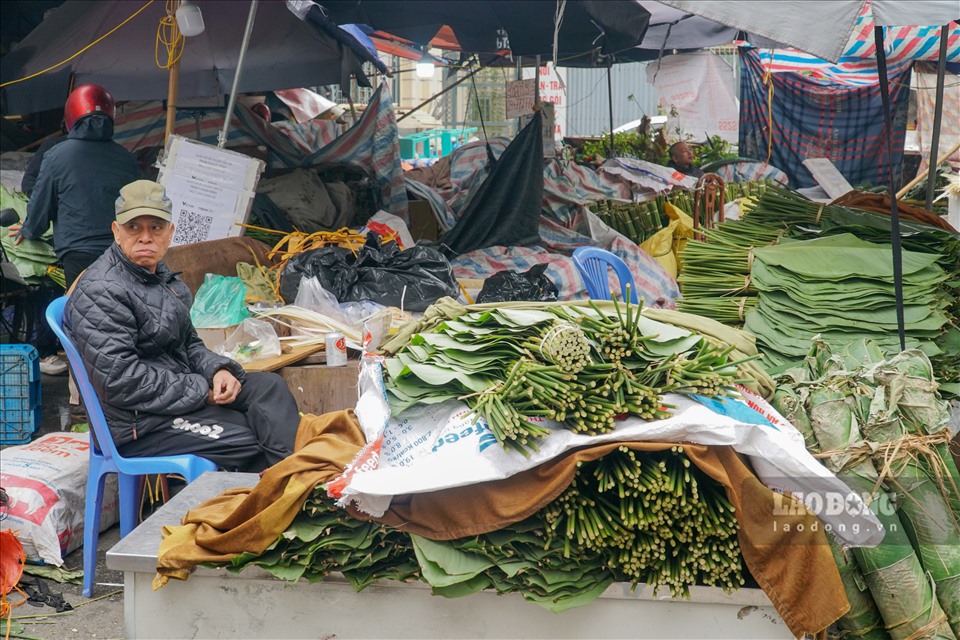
x,y
816,220
768,80
740,305
168,35
59,64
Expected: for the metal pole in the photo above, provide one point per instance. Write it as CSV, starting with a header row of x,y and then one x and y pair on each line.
x,y
894,213
536,89
937,117
610,103
435,96
222,138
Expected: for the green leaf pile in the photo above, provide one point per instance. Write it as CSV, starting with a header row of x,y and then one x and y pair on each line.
x,y
580,366
842,288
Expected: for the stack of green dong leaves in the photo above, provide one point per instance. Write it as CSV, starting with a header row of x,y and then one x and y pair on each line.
x,y
842,288
717,279
31,257
881,426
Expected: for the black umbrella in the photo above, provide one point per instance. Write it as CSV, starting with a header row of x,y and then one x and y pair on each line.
x,y
284,52
525,27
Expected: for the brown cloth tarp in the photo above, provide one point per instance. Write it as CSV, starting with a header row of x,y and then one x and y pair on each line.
x,y
880,203
787,554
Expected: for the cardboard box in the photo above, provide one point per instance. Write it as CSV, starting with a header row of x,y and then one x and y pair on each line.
x,y
423,224
321,389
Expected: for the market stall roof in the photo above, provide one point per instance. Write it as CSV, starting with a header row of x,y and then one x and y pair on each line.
x,y
284,52
526,27
819,27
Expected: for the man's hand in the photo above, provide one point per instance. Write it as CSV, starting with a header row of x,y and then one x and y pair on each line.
x,y
225,388
15,232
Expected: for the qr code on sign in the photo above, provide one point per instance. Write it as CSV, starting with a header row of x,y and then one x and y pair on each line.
x,y
192,227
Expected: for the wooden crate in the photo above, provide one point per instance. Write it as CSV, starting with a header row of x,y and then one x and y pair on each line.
x,y
320,389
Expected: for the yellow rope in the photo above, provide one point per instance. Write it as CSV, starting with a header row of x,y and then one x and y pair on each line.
x,y
38,73
768,80
168,35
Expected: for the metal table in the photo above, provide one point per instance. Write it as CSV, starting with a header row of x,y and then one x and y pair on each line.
x,y
214,603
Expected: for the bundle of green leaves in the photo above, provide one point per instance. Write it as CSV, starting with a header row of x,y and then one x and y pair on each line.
x,y
580,366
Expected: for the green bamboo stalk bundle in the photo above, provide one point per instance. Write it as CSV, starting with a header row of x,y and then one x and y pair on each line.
x,y
653,518
715,277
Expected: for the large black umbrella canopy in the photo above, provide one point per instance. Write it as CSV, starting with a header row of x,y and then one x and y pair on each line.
x,y
284,52
608,26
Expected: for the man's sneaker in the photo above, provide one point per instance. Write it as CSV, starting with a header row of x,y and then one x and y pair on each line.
x,y
53,365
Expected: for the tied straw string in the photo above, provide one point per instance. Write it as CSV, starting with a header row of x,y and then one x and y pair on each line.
x,y
768,80
81,51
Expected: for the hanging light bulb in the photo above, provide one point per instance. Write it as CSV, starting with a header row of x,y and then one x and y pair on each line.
x,y
425,66
189,19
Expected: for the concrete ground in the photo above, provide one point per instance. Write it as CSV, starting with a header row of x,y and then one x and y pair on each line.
x,y
100,616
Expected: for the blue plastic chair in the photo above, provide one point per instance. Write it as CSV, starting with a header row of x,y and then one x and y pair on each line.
x,y
104,458
594,264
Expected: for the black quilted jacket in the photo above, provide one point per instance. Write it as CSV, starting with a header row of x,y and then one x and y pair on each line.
x,y
133,331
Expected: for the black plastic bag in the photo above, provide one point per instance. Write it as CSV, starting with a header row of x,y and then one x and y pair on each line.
x,y
513,286
412,279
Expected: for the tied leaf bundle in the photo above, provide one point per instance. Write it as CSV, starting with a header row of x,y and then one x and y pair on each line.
x,y
653,518
582,367
838,400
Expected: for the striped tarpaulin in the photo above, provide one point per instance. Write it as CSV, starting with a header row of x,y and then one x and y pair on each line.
x,y
858,65
565,224
374,144
815,118
141,124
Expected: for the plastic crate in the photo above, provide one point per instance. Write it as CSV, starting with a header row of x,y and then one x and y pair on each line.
x,y
19,393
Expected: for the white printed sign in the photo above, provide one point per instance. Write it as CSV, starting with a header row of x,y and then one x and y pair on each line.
x,y
701,89
521,94
553,89
212,189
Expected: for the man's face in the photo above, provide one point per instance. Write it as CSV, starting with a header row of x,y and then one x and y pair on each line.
x,y
682,154
144,240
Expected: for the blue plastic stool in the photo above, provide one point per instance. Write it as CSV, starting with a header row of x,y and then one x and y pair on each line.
x,y
104,458
593,264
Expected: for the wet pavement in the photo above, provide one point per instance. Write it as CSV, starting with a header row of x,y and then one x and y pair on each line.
x,y
100,616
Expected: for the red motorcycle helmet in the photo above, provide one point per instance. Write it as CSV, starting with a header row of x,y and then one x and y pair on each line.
x,y
88,98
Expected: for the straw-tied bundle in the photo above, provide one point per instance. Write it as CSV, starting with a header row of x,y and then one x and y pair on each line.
x,y
854,415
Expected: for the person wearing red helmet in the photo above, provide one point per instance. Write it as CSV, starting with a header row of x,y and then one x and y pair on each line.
x,y
73,182
78,181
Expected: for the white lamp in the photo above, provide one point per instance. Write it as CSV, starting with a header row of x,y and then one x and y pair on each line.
x,y
189,19
425,66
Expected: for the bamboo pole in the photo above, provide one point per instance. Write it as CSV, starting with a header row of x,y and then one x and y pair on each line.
x,y
173,84
923,175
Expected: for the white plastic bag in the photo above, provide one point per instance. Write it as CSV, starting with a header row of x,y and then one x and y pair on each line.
x,y
311,295
46,481
253,340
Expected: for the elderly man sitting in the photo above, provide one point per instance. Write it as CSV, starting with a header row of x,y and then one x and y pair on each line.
x,y
163,392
